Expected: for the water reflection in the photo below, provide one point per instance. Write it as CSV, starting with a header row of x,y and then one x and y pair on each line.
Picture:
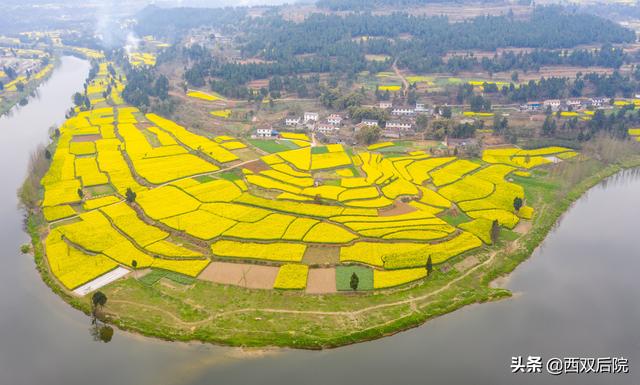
x,y
100,331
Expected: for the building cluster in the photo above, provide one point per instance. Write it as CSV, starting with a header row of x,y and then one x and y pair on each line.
x,y
311,121
402,120
573,104
402,123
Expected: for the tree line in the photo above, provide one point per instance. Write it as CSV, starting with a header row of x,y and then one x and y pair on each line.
x,y
607,56
339,45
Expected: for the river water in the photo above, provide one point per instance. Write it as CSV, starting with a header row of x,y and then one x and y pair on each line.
x,y
577,296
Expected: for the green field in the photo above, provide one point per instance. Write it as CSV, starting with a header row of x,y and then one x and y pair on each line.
x,y
272,146
343,277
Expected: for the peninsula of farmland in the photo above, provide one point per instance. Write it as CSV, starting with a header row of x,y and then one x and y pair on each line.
x,y
307,241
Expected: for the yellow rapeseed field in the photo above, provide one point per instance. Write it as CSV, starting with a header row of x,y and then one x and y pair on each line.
x,y
278,251
292,277
391,278
193,191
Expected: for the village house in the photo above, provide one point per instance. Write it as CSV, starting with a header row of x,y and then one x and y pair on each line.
x,y
310,116
553,103
574,104
403,111
600,102
531,106
369,122
421,107
399,125
292,121
385,104
459,142
266,132
334,119
326,128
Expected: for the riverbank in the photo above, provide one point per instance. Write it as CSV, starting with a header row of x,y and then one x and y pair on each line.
x,y
234,316
29,89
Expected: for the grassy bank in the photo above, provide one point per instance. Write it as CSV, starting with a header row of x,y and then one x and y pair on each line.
x,y
231,315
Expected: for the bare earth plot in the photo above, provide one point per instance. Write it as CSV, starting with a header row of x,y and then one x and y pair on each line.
x,y
239,274
321,281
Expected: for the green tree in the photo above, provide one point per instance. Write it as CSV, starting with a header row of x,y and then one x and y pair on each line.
x,y
429,265
495,231
517,203
368,135
80,193
130,195
549,126
78,99
355,281
161,88
422,122
98,301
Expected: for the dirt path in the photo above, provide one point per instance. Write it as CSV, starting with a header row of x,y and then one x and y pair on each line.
x,y
397,71
374,307
351,314
161,310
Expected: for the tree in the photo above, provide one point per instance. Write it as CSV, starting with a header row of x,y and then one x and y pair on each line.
x,y
549,126
368,135
495,231
517,203
479,104
354,281
429,265
130,195
80,193
134,263
446,112
98,300
422,121
500,125
161,88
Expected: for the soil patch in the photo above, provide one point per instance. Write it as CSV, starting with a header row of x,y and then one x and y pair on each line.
x,y
523,227
256,166
466,263
398,208
321,255
240,274
499,282
321,281
86,138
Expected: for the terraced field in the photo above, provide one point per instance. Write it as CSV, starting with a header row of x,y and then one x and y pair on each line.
x,y
192,200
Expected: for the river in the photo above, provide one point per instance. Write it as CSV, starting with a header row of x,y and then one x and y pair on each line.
x,y
577,296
